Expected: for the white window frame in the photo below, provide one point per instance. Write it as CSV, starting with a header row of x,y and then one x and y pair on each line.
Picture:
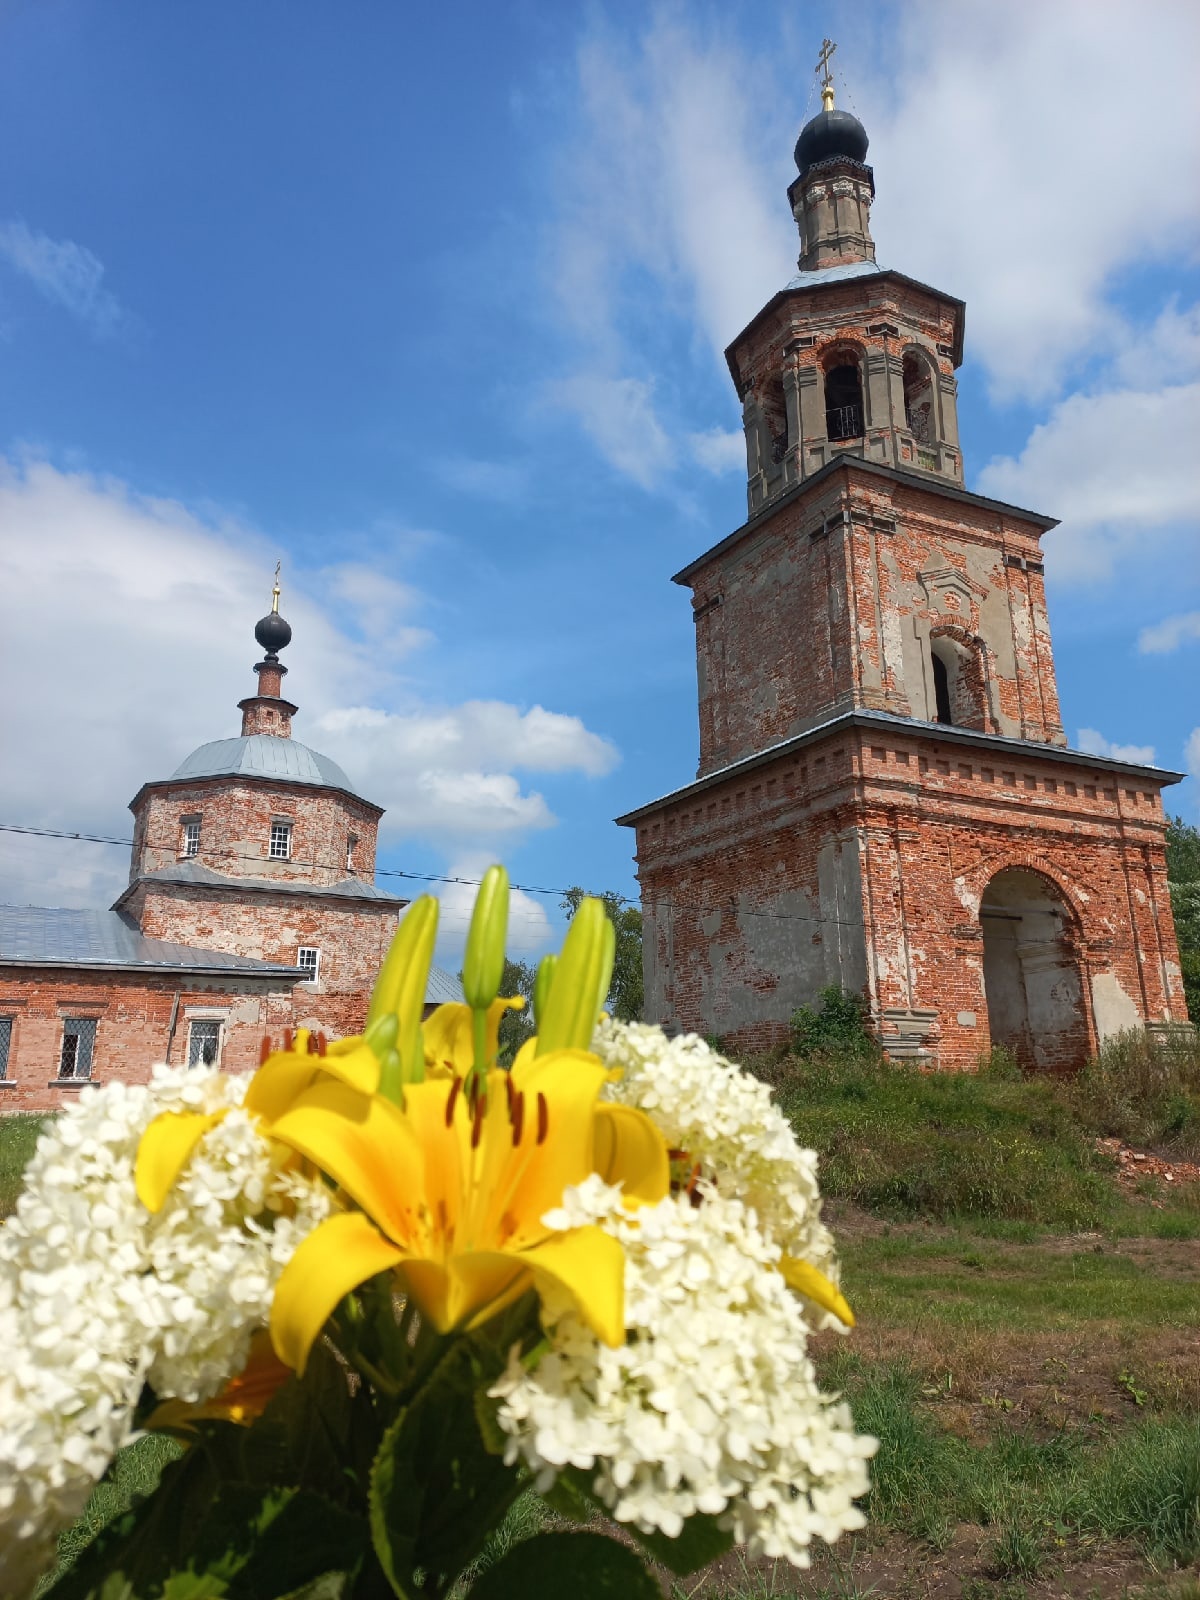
x,y
315,970
8,1029
281,828
189,842
206,1023
72,1029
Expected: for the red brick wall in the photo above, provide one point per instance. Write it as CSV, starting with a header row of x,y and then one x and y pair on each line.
x,y
831,602
133,1015
235,828
861,860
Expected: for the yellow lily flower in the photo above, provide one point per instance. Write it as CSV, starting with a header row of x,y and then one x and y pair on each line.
x,y
815,1286
167,1144
450,1041
452,1191
242,1400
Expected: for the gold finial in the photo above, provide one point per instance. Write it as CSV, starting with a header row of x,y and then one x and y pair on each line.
x,y
276,591
827,49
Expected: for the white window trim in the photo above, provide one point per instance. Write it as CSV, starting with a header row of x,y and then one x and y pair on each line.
x,y
316,970
219,1019
185,824
283,823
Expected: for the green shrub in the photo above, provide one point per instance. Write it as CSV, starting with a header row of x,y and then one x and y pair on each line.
x,y
1143,1090
840,1025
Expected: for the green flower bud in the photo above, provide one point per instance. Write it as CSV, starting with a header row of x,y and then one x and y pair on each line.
x,y
483,959
542,984
400,991
581,981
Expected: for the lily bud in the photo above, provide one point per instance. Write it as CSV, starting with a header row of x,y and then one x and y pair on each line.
x,y
581,981
542,985
400,990
483,959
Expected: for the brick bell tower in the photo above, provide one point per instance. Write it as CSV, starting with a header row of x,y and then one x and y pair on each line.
x,y
885,799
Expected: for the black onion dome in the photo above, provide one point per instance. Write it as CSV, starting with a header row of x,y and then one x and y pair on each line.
x,y
272,632
830,133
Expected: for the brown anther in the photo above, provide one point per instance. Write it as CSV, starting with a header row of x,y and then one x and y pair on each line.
x,y
477,1125
322,1044
287,1038
543,1118
264,1049
451,1098
509,1091
518,1117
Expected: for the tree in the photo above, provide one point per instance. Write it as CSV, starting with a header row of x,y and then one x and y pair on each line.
x,y
625,996
516,1026
1183,880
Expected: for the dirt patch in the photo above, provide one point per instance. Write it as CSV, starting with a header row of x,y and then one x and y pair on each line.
x,y
1135,1166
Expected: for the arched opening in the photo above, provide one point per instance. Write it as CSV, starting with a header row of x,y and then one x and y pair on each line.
x,y
844,399
941,689
774,407
1034,990
918,398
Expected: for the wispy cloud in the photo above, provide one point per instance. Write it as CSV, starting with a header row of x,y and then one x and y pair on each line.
x,y
65,273
1096,744
719,451
619,417
1164,637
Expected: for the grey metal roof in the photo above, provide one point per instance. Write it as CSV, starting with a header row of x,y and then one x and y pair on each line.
x,y
443,989
264,755
49,936
942,731
817,275
194,874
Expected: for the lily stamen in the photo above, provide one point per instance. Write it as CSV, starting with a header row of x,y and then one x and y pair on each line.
x,y
518,1117
451,1099
543,1118
477,1125
264,1049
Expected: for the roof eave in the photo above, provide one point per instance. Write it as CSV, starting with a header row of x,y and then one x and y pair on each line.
x,y
256,777
256,886
266,974
860,463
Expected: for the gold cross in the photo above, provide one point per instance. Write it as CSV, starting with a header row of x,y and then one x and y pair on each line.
x,y
275,592
827,49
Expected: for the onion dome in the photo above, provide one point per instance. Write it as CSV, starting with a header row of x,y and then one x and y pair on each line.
x,y
272,632
831,133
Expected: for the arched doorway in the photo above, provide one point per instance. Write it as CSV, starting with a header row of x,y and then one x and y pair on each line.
x,y
1035,995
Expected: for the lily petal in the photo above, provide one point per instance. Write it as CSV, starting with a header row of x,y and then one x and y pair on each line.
x,y
468,1288
287,1073
815,1286
568,1084
367,1145
165,1149
339,1254
630,1150
588,1265
449,1041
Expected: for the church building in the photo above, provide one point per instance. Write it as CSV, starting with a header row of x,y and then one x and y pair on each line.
x,y
886,801
251,909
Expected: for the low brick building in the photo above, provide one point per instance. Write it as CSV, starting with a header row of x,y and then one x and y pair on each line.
x,y
885,798
251,908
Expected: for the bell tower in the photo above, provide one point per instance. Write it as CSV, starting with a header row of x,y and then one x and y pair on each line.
x,y
885,800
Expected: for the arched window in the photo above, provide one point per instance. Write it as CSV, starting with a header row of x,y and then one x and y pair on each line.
x,y
941,689
774,407
844,399
918,398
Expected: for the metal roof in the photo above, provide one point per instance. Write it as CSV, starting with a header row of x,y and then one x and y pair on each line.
x,y
49,936
196,875
819,275
264,755
443,989
941,731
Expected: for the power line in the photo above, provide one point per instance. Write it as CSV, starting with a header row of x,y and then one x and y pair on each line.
x,y
226,854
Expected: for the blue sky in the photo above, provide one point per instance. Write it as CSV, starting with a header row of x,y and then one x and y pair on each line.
x,y
430,305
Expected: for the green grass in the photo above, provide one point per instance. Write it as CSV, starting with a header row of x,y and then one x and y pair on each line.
x,y
992,1146
18,1136
1140,1483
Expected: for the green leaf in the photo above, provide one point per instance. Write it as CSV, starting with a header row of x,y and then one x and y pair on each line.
x,y
585,1566
700,1543
195,1539
436,1492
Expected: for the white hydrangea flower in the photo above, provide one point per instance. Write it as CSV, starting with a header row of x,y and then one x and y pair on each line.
x,y
711,1405
97,1295
728,1122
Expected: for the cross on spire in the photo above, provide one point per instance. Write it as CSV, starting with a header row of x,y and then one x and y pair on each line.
x,y
827,49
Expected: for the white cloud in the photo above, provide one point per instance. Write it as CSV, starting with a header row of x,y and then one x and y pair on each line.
x,y
1191,754
530,932
1117,468
1019,168
618,416
133,621
63,272
718,451
378,602
1166,636
1097,745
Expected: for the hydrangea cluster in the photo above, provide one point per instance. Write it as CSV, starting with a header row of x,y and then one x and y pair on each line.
x,y
711,1405
98,1296
727,1122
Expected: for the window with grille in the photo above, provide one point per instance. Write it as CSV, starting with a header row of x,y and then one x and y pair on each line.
x,y
5,1044
281,841
191,836
79,1042
351,847
310,959
204,1042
